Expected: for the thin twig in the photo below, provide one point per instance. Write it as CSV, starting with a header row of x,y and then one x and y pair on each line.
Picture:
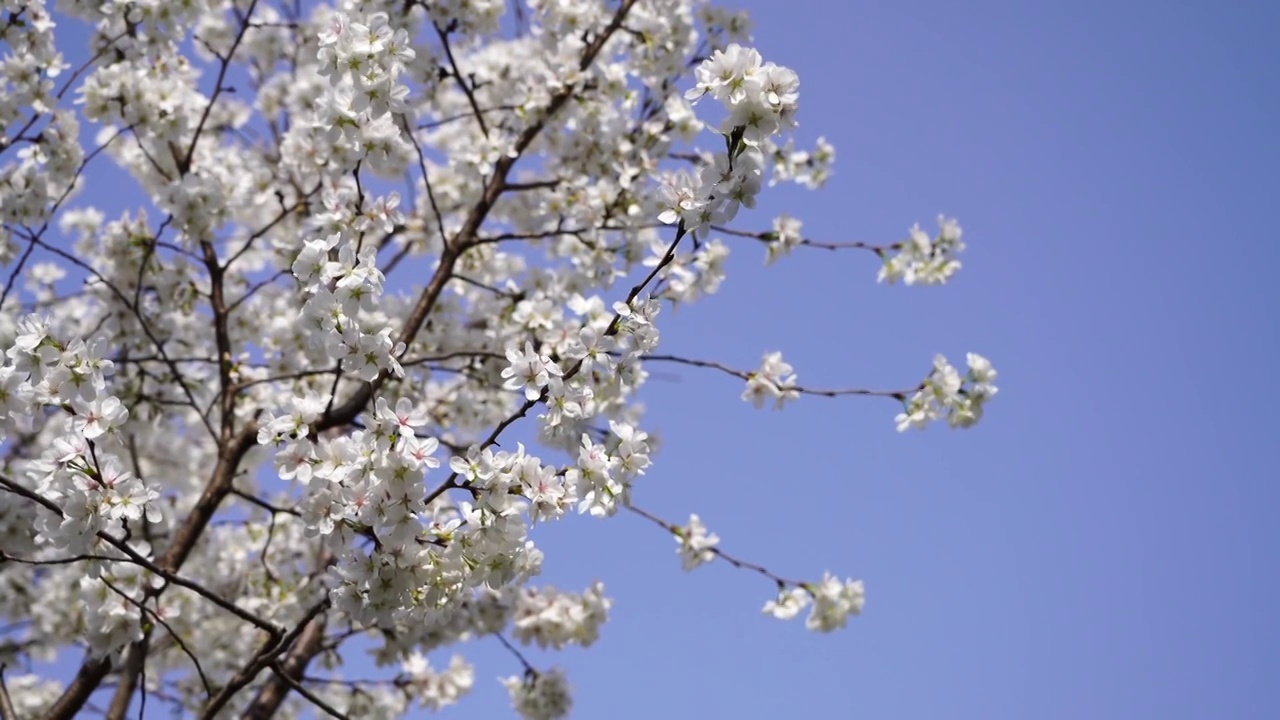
x,y
462,83
312,697
767,239
895,394
528,667
781,582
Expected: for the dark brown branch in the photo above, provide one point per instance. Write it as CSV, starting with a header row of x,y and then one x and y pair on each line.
x,y
311,624
134,660
284,674
7,711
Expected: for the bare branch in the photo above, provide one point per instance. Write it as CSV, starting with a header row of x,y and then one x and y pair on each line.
x,y
443,34
528,667
780,581
7,711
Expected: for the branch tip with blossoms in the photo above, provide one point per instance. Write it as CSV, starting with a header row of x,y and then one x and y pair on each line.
x,y
832,601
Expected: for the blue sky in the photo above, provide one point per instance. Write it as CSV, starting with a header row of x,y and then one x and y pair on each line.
x,y
1102,545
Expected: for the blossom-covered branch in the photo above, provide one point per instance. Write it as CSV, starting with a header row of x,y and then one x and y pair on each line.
x,y
264,410
833,601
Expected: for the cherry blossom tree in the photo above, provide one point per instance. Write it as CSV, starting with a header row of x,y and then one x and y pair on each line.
x,y
231,447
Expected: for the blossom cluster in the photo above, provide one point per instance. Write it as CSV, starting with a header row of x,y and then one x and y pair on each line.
x,y
80,471
923,260
809,169
549,618
49,155
784,238
435,689
30,693
363,56
428,554
370,484
112,606
775,380
696,545
761,100
946,394
831,603
540,696
761,97
27,72
338,292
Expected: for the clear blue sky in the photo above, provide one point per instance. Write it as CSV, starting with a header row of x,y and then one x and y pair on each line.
x,y
1102,545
